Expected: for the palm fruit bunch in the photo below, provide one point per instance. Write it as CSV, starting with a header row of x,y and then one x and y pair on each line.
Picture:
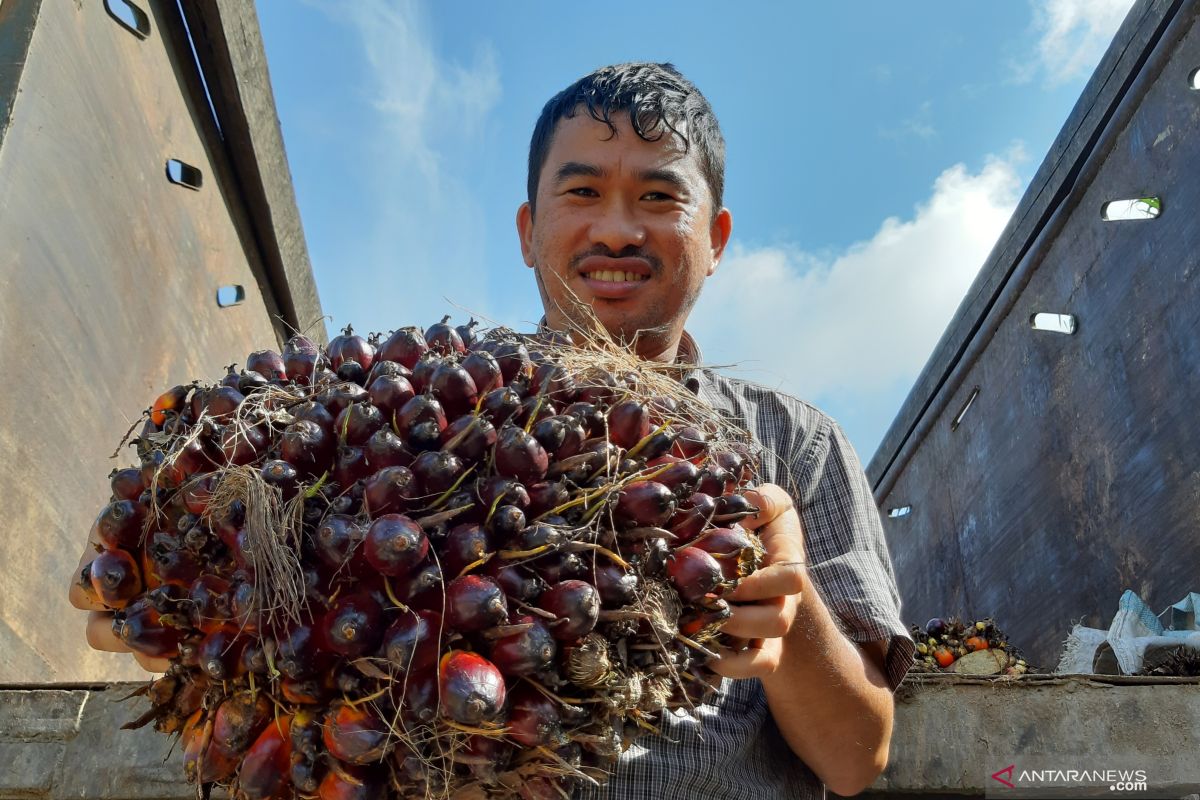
x,y
943,643
437,564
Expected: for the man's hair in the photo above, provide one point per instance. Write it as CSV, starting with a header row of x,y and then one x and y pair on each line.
x,y
658,99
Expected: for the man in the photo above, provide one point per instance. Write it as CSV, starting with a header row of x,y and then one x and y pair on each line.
x,y
626,172
625,215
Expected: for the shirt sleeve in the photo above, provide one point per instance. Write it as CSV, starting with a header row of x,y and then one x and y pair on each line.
x,y
847,553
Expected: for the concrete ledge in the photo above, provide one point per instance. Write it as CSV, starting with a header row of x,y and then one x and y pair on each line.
x,y
951,734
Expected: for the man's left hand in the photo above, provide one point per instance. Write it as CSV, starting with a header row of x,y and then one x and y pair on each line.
x,y
764,604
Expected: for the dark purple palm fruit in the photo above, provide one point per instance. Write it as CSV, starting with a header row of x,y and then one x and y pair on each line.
x,y
126,484
680,476
500,405
391,490
349,346
714,480
340,396
386,449
351,372
628,423
336,539
694,573
424,436
469,437
463,546
561,435
282,475
312,411
555,568
690,443
590,417
242,444
733,508
453,386
658,444
732,547
506,522
382,368
354,625
693,515
443,338
250,381
546,496
515,580
553,381
598,387
300,357
422,408
404,347
389,393
413,641
485,757
141,628
527,651
645,504
308,447
472,689
739,467
436,471
577,606
537,407
350,466
230,378
484,370
422,372
534,719
119,524
222,402
354,735
267,363
499,490
220,653
358,423
617,585
467,333
520,456
424,588
474,603
513,358
395,545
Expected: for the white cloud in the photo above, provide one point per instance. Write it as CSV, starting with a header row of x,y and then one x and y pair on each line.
x,y
855,328
1073,36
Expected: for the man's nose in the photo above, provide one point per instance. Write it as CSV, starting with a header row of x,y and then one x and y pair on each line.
x,y
617,227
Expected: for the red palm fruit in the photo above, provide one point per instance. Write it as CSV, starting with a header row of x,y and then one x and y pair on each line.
x,y
557,567
298,654
169,560
700,620
469,437
395,545
386,449
454,388
577,606
239,720
220,653
389,393
715,481
561,435
251,381
694,573
589,415
542,787
645,504
280,474
534,720
527,651
726,541
198,492
552,380
241,445
342,395
467,332
211,603
350,466
116,579
693,516
139,626
347,783
691,444
617,586
421,408
516,581
486,757
736,464
657,444
424,587
547,496
203,763
126,483
171,401
383,367
422,372
499,405
513,358
312,411
681,477
300,359
308,447
265,773
443,338
222,402
628,423
245,612
349,346
356,734
357,423
474,603
119,524
733,508
511,490
336,539
437,471
519,456
472,689
157,474
404,347
354,625
464,545
413,641
536,407
484,371
420,703
267,363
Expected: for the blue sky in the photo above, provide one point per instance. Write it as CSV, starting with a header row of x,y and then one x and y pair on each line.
x,y
874,153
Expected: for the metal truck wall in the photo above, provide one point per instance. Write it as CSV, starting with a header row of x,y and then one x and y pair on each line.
x,y
110,276
1053,470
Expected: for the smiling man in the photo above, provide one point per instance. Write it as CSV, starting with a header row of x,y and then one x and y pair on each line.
x,y
625,216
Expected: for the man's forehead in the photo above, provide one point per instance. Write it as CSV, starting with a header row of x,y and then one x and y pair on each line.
x,y
583,131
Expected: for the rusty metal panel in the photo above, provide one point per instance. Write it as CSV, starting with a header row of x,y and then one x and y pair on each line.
x,y
109,275
1074,472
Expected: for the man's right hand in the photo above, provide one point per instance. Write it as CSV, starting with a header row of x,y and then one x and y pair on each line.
x,y
100,634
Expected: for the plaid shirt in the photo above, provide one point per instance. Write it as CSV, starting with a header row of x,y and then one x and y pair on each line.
x,y
735,749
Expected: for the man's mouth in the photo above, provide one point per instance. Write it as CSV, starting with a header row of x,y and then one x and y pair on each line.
x,y
615,276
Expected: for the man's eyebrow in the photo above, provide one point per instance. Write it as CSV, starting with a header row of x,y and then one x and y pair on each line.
x,y
576,169
668,176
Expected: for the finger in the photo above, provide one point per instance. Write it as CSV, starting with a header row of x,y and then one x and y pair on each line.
x,y
752,663
781,579
100,635
769,619
151,664
78,596
771,501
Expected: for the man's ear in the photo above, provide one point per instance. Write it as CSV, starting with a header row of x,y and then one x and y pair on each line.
x,y
722,228
525,232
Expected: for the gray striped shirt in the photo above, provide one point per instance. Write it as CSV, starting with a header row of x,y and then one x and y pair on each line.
x,y
734,749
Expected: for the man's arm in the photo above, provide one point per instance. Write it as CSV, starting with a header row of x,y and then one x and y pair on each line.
x,y
829,698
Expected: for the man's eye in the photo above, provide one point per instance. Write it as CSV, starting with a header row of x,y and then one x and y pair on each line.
x,y
656,196
582,191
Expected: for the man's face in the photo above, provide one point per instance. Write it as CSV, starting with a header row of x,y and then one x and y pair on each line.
x,y
623,225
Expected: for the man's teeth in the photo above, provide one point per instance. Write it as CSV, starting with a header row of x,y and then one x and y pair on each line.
x,y
616,276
